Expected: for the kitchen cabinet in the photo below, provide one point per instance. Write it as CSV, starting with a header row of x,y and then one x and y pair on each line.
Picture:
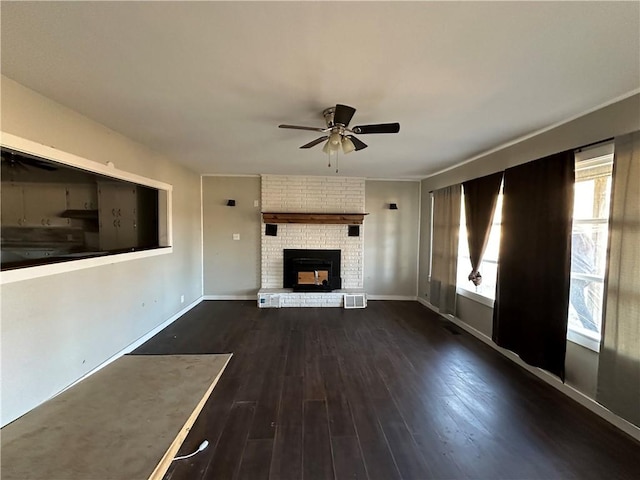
x,y
118,213
82,197
43,205
12,205
33,205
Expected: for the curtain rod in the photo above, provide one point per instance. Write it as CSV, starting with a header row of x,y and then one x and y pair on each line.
x,y
599,142
582,148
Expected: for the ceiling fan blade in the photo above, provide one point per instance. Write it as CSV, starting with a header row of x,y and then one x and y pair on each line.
x,y
41,165
314,143
25,163
343,114
377,128
357,143
298,127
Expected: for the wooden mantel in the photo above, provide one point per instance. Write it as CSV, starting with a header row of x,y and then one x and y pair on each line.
x,y
315,218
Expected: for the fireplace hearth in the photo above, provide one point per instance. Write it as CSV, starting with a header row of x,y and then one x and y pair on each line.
x,y
307,270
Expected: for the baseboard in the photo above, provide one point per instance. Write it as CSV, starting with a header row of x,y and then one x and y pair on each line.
x,y
391,297
230,297
587,402
131,347
427,304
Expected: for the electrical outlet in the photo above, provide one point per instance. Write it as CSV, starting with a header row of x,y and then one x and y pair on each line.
x,y
256,203
181,298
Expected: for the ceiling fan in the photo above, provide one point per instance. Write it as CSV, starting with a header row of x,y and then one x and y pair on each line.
x,y
19,162
338,135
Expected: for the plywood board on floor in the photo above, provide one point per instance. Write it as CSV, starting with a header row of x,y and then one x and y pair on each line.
x,y
124,422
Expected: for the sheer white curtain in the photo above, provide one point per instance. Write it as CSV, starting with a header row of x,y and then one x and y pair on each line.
x,y
444,248
619,369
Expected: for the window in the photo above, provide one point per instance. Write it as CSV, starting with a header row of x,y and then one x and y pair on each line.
x,y
62,213
589,244
489,265
592,193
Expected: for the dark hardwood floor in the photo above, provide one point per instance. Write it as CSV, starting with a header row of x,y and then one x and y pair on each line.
x,y
387,392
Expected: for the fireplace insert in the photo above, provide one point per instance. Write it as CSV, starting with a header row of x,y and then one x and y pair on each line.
x,y
308,270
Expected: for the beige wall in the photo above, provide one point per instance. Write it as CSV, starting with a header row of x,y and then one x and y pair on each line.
x,y
391,238
231,267
57,328
616,119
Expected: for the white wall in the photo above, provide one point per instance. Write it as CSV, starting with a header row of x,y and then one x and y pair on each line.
x,y
616,119
391,239
57,328
231,267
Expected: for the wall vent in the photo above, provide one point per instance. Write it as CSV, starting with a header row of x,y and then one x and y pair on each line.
x,y
269,300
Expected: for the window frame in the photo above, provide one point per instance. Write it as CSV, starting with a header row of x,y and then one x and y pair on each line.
x,y
30,147
598,154
465,290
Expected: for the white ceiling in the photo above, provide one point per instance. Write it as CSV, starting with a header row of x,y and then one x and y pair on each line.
x,y
207,83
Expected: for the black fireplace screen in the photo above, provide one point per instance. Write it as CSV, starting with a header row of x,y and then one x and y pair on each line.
x,y
312,270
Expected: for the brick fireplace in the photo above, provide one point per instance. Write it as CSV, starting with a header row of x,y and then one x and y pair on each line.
x,y
300,194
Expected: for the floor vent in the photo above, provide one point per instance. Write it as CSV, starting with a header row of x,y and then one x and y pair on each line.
x,y
355,301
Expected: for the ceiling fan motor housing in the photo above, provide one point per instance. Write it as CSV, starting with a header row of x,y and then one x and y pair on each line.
x,y
328,114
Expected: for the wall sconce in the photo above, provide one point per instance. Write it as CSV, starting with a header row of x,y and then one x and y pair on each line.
x,y
393,206
231,203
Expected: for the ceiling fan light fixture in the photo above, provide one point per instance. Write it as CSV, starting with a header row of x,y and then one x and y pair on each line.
x,y
333,144
347,145
335,141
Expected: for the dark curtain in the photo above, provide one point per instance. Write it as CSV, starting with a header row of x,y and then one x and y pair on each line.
x,y
480,198
532,294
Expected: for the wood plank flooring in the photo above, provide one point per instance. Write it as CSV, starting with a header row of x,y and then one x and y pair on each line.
x,y
387,392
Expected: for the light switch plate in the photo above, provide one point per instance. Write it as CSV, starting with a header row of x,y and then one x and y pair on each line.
x,y
236,236
256,203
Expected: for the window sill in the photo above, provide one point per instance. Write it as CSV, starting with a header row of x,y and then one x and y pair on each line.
x,y
486,301
28,273
584,339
